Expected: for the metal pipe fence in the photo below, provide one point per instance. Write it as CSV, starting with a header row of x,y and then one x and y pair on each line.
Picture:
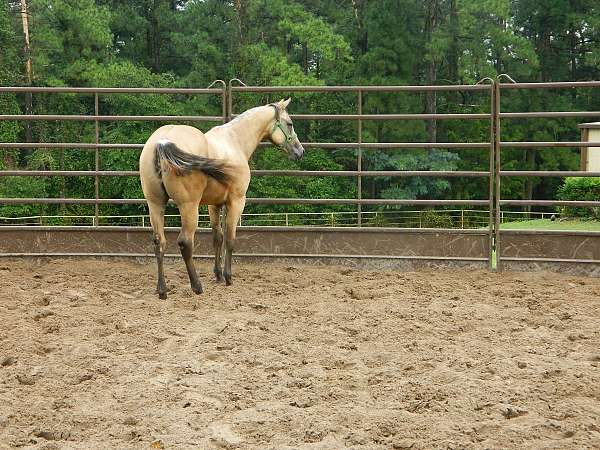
x,y
460,218
228,94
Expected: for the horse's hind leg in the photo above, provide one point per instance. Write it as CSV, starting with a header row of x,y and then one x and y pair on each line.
x,y
234,211
157,219
189,223
215,223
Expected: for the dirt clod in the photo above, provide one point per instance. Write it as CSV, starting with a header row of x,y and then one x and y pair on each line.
x,y
52,435
511,411
222,436
6,361
26,380
158,444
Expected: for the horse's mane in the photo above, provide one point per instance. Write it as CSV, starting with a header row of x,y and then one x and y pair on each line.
x,y
240,117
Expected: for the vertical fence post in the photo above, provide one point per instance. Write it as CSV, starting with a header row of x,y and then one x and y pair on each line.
x,y
492,177
359,159
462,218
97,161
497,210
229,98
224,97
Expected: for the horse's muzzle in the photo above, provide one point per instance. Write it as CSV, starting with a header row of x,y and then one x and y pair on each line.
x,y
297,151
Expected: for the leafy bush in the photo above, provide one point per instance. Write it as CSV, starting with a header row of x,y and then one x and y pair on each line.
x,y
432,219
582,189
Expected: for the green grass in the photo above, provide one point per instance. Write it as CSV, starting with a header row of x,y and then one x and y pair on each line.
x,y
564,225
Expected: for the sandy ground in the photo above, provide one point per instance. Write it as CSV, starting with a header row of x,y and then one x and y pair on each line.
x,y
299,357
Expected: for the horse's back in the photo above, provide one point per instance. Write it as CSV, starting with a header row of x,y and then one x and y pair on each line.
x,y
187,138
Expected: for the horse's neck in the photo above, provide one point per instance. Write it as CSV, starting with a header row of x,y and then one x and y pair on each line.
x,y
250,128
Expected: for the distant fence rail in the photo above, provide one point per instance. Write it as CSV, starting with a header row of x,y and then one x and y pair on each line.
x,y
501,245
446,218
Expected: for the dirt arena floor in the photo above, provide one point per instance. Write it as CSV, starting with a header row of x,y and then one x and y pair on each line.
x,y
296,357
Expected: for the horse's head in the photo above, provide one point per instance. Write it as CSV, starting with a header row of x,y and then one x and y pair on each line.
x,y
282,131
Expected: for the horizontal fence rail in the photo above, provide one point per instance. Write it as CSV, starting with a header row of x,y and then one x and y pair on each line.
x,y
228,94
259,201
546,173
94,118
293,173
462,218
551,85
456,87
364,145
386,116
100,90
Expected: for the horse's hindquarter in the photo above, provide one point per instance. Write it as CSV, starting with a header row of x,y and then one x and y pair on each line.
x,y
180,188
195,187
152,184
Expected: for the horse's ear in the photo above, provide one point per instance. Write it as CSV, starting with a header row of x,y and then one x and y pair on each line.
x,y
287,102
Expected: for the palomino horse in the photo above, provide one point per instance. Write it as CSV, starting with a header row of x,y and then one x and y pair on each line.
x,y
180,162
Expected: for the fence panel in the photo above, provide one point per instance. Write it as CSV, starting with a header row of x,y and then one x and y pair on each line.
x,y
501,247
528,249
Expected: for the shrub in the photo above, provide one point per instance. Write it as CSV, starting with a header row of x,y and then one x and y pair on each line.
x,y
432,219
581,189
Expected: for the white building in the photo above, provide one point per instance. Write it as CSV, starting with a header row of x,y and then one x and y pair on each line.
x,y
590,156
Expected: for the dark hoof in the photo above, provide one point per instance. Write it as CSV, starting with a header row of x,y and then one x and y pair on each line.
x,y
162,290
218,274
228,280
197,290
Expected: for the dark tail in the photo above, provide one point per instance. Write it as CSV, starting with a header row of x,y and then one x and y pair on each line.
x,y
182,163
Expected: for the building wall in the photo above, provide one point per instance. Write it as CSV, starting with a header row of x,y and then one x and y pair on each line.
x,y
593,154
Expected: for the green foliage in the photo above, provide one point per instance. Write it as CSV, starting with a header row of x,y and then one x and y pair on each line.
x,y
432,219
172,43
582,189
66,37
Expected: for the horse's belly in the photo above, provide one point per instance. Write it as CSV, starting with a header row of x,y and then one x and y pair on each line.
x,y
214,194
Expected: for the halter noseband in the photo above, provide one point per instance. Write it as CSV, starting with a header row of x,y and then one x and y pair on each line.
x,y
289,137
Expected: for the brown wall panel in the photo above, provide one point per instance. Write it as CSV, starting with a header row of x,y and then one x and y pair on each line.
x,y
548,244
450,244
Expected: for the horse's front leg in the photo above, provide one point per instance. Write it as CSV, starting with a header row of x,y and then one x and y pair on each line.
x,y
235,207
215,223
189,223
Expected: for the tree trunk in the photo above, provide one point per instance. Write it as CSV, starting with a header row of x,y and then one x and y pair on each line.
x,y
453,51
431,96
573,54
155,37
240,42
28,69
544,52
358,7
240,9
